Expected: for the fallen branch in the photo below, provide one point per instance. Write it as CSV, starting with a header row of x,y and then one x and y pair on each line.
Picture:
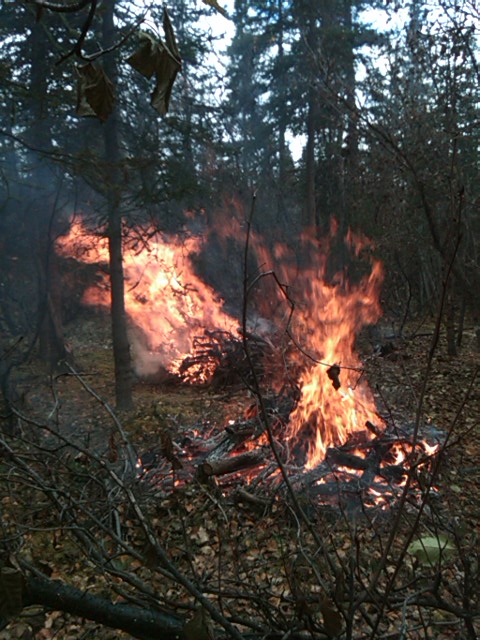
x,y
144,623
232,464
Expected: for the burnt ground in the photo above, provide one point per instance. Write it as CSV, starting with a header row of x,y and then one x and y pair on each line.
x,y
258,546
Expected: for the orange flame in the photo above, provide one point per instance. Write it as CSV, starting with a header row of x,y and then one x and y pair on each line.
x,y
170,305
167,302
329,313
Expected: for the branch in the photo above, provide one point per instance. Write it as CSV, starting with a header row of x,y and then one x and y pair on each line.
x,y
59,7
144,623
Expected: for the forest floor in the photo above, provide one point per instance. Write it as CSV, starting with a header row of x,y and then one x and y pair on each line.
x,y
241,553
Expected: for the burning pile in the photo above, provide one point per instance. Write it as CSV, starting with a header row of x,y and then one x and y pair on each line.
x,y
167,303
178,322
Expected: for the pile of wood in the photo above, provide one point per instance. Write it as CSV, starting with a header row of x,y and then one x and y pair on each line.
x,y
362,472
219,358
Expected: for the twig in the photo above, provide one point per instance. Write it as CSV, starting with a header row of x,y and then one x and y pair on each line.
x,y
132,457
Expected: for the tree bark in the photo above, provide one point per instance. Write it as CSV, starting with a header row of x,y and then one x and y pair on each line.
x,y
121,346
144,623
310,213
41,209
139,622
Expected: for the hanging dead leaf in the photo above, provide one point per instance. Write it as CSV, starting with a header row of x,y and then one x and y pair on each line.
x,y
146,58
11,592
333,373
95,92
332,620
154,57
170,37
166,74
216,6
150,556
112,448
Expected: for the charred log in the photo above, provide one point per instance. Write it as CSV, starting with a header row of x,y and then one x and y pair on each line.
x,y
233,464
144,623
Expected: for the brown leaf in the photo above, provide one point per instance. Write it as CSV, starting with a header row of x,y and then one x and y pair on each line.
x,y
150,556
167,450
200,627
154,57
112,448
165,73
146,58
95,92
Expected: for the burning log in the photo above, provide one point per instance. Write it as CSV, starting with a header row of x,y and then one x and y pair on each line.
x,y
219,358
231,465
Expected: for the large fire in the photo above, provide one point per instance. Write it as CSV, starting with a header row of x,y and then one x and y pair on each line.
x,y
167,303
169,306
330,311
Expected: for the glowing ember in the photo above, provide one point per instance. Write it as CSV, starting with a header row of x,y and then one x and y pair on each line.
x,y
166,301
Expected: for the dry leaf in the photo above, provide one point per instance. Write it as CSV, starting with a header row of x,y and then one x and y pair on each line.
x,y
153,57
333,373
95,92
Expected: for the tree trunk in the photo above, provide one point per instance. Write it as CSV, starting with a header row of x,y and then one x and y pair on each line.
x,y
350,148
121,346
282,128
42,210
310,213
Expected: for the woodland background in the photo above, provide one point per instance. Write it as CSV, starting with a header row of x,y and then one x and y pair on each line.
x,y
387,119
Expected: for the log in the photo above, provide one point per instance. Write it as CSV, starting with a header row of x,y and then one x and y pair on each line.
x,y
232,464
336,457
241,495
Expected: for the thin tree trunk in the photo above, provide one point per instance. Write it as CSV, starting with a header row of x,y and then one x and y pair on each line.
x,y
310,213
282,127
139,622
42,210
121,346
350,173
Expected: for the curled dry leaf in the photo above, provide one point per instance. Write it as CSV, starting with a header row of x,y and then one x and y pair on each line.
x,y
162,59
95,92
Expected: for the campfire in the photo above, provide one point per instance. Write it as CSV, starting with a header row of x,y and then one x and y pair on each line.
x,y
301,339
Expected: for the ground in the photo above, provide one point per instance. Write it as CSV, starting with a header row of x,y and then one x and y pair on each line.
x,y
258,561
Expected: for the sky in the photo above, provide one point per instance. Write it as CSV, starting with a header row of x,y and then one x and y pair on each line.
x,y
221,26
